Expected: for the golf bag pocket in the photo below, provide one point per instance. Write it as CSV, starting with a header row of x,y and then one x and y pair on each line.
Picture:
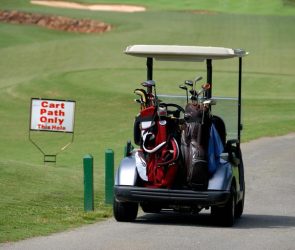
x,y
143,122
162,165
196,163
197,176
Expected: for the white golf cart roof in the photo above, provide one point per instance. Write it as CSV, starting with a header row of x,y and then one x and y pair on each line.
x,y
183,53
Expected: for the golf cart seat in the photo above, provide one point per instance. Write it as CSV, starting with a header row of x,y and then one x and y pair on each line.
x,y
220,127
230,146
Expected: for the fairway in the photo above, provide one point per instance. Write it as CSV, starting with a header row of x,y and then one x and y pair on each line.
x,y
92,70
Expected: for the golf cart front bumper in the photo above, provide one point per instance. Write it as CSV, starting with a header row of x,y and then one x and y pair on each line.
x,y
170,196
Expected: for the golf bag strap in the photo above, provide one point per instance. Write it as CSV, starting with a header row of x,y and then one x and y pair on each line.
x,y
175,149
155,149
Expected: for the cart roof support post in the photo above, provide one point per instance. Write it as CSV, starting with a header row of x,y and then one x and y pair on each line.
x,y
240,125
149,65
209,77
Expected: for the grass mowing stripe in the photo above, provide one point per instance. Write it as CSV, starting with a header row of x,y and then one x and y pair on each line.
x,y
85,51
268,7
92,70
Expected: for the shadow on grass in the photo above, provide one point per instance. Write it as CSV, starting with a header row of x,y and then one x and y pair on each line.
x,y
247,221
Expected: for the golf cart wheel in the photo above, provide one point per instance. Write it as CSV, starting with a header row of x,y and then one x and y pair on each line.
x,y
240,206
225,216
125,211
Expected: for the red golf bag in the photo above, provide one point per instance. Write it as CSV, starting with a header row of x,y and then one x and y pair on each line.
x,y
159,146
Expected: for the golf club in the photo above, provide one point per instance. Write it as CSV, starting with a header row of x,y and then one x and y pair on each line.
x,y
143,96
189,83
198,78
142,104
192,91
185,88
151,98
205,87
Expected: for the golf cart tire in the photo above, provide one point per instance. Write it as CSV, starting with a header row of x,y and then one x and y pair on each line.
x,y
240,206
225,216
125,211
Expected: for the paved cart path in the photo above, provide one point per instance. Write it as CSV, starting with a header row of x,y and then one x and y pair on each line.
x,y
268,221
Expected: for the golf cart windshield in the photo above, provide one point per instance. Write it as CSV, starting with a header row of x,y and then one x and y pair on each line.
x,y
226,107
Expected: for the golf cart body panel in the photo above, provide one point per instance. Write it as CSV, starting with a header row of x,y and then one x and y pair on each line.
x,y
168,198
127,172
226,185
125,189
127,175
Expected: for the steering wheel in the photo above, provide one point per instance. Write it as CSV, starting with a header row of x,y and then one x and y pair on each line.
x,y
177,109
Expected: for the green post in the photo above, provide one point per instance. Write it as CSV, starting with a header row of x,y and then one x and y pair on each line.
x,y
88,183
109,176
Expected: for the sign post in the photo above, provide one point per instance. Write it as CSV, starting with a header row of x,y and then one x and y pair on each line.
x,y
50,115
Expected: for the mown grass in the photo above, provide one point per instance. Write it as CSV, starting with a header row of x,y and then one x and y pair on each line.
x,y
37,200
91,69
262,7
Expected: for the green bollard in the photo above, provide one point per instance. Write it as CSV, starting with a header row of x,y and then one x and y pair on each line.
x,y
88,183
109,176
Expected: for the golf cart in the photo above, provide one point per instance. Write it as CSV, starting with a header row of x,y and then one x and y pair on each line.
x,y
186,159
